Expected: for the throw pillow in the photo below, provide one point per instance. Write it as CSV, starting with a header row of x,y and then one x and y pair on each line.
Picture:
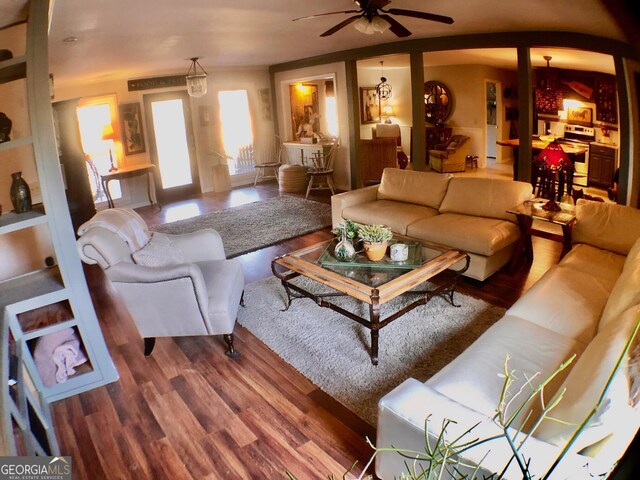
x,y
452,145
159,252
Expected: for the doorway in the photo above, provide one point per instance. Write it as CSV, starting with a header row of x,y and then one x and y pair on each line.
x,y
171,144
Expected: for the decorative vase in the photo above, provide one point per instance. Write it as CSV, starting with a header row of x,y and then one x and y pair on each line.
x,y
5,127
344,251
375,251
20,193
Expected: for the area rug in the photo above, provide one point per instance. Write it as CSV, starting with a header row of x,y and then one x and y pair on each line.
x,y
333,351
259,224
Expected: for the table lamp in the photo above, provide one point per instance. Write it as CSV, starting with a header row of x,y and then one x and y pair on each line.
x,y
388,112
109,134
556,160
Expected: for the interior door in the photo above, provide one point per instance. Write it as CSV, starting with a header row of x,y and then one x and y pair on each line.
x,y
172,144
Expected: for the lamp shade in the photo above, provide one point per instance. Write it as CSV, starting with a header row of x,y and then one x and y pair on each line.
x,y
375,25
388,111
108,133
196,80
554,156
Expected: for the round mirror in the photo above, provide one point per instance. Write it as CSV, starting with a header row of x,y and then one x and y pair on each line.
x,y
437,102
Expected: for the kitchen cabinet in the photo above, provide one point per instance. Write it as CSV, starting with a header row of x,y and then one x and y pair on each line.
x,y
606,99
602,165
39,300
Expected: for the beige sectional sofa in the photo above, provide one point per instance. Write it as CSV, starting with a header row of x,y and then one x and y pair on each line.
x,y
588,305
465,213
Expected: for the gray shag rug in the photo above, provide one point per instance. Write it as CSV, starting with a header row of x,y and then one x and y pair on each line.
x,y
259,224
333,351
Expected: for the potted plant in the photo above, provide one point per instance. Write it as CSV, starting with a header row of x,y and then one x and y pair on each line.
x,y
375,239
352,229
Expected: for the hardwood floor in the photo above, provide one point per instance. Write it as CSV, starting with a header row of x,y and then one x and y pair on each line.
x,y
188,411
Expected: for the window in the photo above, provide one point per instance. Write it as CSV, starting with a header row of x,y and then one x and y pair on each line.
x,y
237,134
94,114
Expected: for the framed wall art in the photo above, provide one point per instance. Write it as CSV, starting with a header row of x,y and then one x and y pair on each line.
x,y
369,105
580,116
131,128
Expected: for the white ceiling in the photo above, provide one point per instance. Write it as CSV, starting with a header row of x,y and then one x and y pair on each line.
x,y
137,38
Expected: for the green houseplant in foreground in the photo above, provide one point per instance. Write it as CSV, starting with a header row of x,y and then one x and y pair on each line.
x,y
375,239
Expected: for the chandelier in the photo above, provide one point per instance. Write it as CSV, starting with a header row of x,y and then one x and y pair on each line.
x,y
383,89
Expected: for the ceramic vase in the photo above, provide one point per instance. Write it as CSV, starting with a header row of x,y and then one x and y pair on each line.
x,y
20,193
375,251
344,251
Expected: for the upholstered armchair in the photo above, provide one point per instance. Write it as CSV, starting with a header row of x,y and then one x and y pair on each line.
x,y
450,157
172,285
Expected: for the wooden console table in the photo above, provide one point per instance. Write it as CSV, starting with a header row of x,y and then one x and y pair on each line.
x,y
128,172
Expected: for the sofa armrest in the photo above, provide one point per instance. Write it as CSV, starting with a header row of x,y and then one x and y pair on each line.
x,y
199,246
441,154
347,199
401,424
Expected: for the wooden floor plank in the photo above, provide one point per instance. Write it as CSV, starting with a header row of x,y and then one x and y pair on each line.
x,y
188,411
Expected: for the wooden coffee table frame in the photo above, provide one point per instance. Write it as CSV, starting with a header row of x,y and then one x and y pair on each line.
x,y
290,266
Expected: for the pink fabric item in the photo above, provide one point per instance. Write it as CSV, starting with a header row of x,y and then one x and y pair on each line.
x,y
56,355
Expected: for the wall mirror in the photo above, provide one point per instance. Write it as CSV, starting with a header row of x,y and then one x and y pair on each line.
x,y
437,102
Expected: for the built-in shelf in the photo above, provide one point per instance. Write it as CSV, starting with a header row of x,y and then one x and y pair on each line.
x,y
18,142
11,221
36,287
13,69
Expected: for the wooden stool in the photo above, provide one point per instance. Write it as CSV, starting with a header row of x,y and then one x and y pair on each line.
x,y
471,161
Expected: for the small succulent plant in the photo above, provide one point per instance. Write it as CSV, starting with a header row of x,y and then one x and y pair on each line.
x,y
375,233
351,226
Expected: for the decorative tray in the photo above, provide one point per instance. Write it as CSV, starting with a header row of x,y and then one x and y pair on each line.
x,y
415,258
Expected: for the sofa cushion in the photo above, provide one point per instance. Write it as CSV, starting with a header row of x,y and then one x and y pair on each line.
x,y
479,235
603,265
615,423
421,188
485,197
396,215
626,291
606,225
474,377
566,301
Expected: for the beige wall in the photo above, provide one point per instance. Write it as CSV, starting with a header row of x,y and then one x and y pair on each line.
x,y
207,138
468,116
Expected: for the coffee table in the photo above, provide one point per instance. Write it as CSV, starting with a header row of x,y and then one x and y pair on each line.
x,y
373,284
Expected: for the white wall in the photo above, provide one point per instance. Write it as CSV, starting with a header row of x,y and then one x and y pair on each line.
x,y
342,167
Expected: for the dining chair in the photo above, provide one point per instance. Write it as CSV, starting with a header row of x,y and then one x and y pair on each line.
x,y
269,160
321,172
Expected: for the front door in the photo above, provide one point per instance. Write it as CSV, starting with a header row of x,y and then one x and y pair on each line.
x,y
172,144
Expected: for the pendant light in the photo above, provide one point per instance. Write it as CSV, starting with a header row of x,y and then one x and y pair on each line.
x,y
196,81
383,89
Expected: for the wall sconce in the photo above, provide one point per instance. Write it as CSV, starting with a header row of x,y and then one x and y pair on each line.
x,y
196,81
109,134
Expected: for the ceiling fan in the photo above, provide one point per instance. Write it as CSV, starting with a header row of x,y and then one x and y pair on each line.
x,y
372,17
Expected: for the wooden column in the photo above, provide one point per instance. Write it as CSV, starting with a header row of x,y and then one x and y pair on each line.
x,y
419,152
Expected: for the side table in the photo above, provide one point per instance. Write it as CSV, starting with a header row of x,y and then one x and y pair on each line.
x,y
529,211
128,172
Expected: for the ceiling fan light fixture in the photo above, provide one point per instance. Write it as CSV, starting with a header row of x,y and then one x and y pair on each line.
x,y
370,26
196,80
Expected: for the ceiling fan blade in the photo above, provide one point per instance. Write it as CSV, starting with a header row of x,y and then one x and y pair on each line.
x,y
342,24
422,15
396,28
323,14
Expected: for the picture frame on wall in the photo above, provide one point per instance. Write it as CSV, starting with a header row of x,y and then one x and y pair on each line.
x,y
369,105
131,128
580,116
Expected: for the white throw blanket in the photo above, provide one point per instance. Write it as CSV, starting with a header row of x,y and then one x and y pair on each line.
x,y
57,354
123,221
66,357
